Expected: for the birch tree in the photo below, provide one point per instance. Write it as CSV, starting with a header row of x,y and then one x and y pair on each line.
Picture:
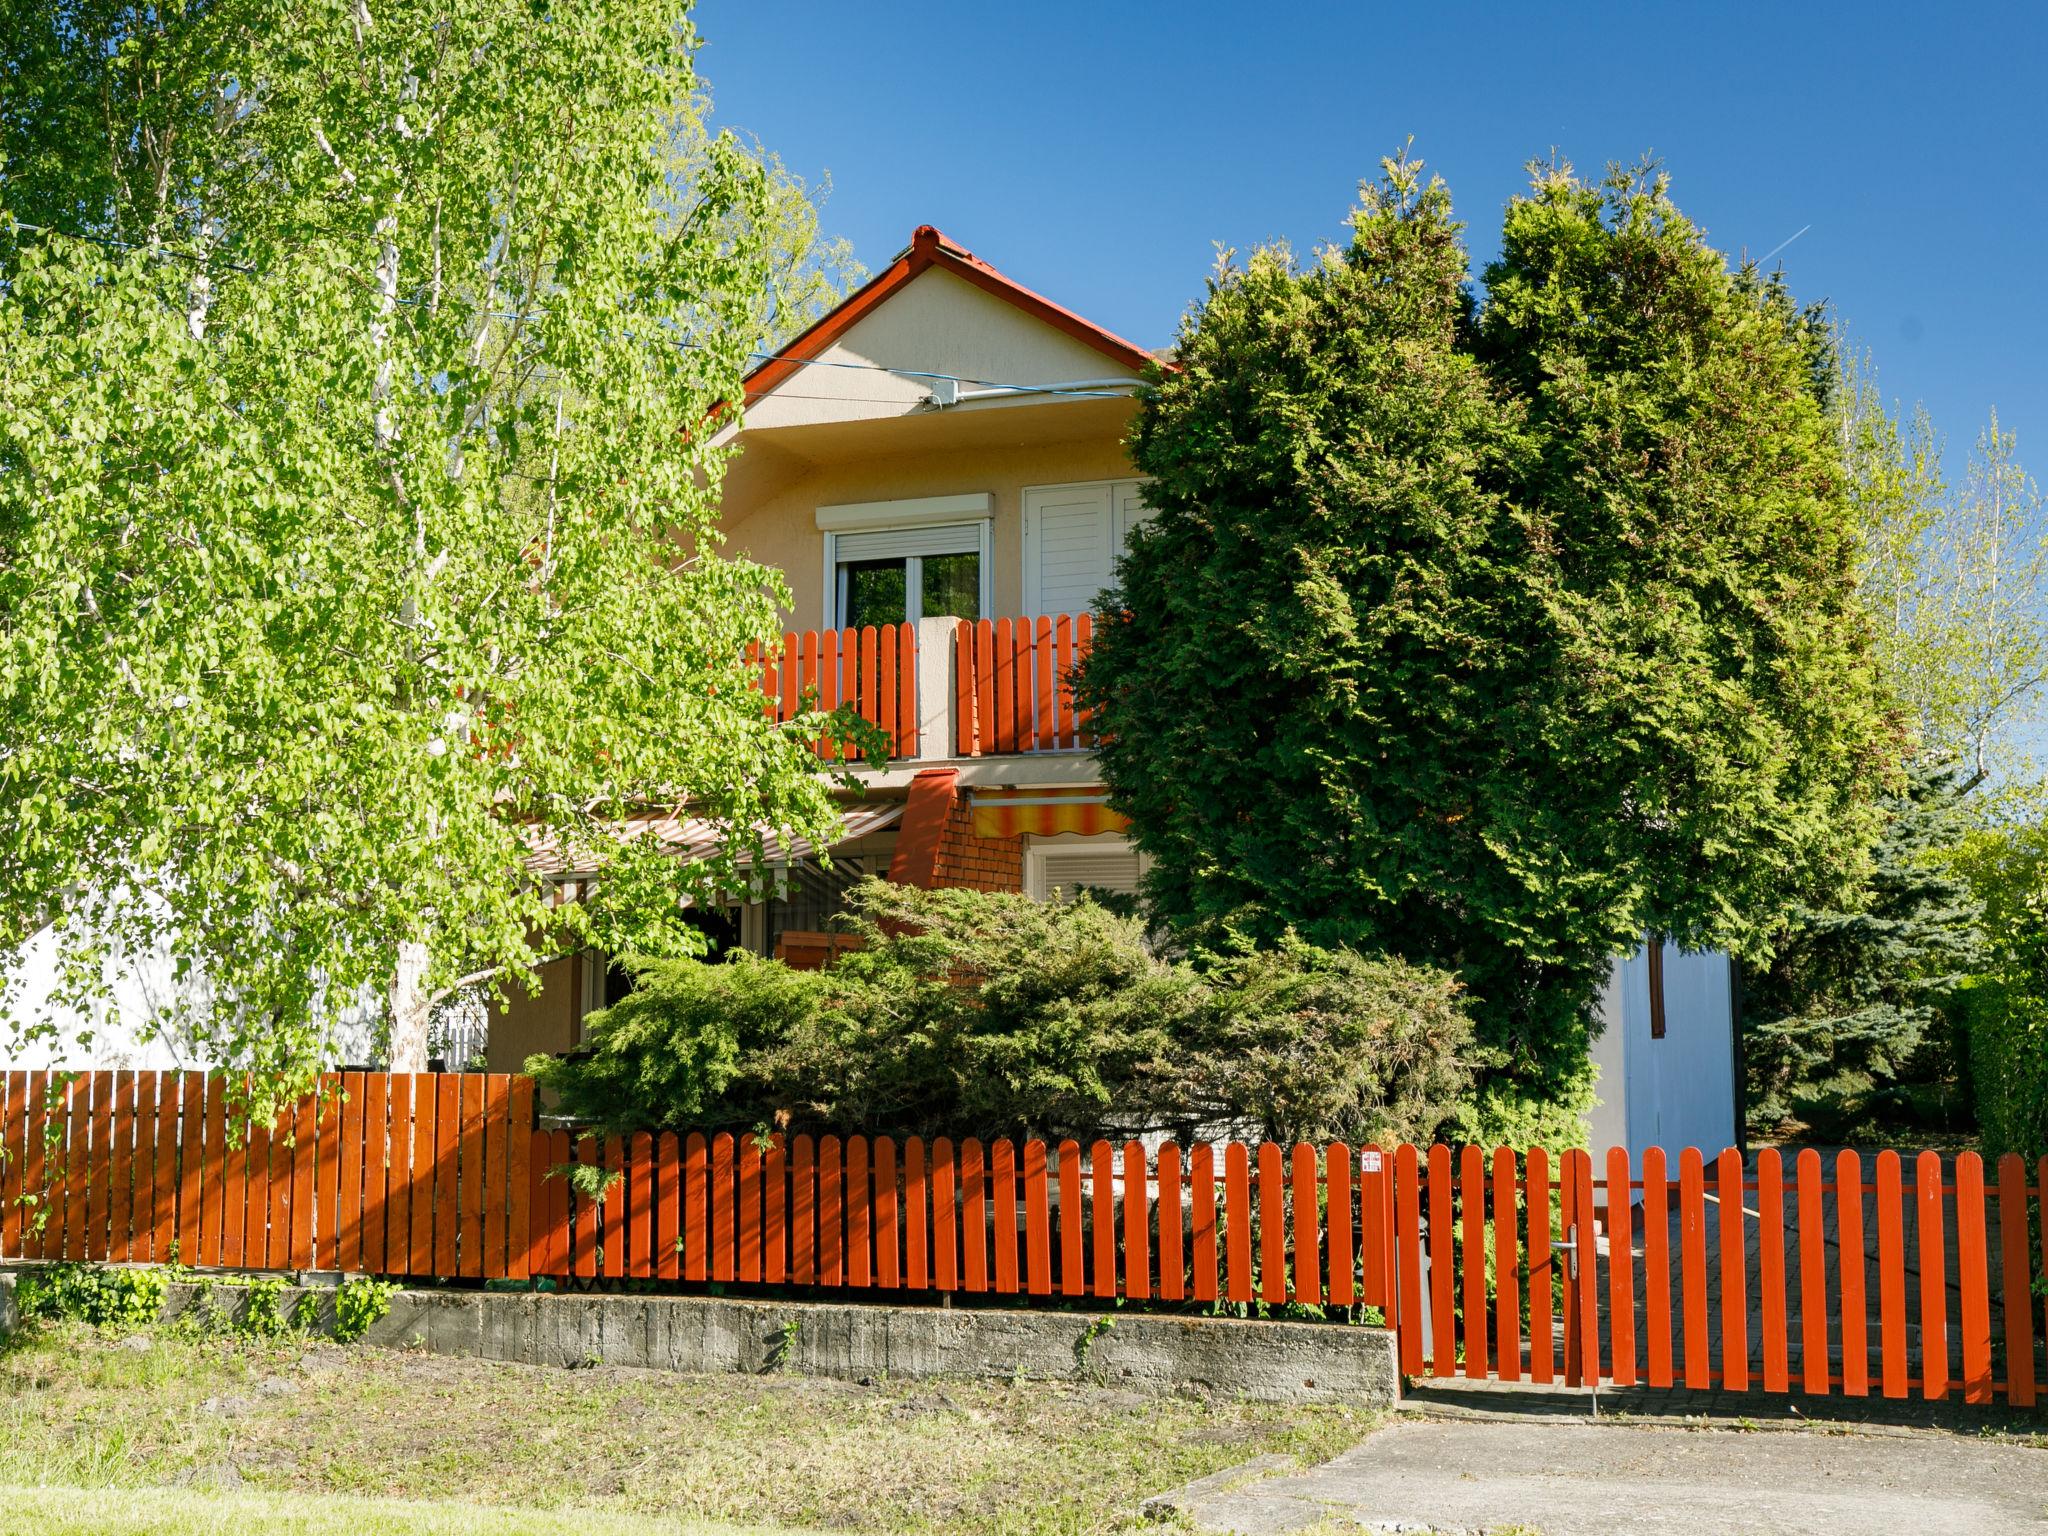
x,y
359,364
1955,571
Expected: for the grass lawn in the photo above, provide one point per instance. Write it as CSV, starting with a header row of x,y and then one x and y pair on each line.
x,y
239,1436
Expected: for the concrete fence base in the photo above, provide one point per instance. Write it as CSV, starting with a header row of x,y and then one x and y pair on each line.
x,y
1266,1361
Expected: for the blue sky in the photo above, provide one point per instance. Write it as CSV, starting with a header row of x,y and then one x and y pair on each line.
x,y
1099,151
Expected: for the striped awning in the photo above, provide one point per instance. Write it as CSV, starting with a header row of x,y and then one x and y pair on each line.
x,y
1045,812
691,839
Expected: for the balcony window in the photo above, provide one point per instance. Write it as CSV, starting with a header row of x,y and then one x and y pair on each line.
x,y
897,562
912,587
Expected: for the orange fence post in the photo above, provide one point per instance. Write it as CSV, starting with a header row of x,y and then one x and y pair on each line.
x,y
1272,1226
120,1169
642,1195
616,1251
420,1243
1770,1247
1973,1275
1443,1266
888,1239
1102,1182
1237,1221
1815,1377
1137,1224
775,1212
1405,1284
916,1232
163,1234
722,1213
945,1239
1734,1273
1202,1220
13,1135
2017,1296
1507,1291
1543,1284
1891,1276
1037,1212
398,1186
859,1212
973,1218
448,1234
1002,1183
1339,1239
1656,1267
1073,1221
1850,1273
1933,1253
1307,1270
1692,1220
748,1260
1472,1259
1621,1269
696,1223
1172,1260
668,1206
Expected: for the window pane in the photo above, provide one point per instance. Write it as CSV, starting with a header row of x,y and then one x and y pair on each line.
x,y
952,586
876,593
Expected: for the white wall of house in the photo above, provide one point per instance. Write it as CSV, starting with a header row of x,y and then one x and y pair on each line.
x,y
1673,1091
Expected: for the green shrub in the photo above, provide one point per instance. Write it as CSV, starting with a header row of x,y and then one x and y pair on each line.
x,y
1311,1044
2007,1030
92,1293
2004,1011
358,1304
685,1047
975,1013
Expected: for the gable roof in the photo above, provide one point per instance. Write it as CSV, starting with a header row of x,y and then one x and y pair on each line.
x,y
928,248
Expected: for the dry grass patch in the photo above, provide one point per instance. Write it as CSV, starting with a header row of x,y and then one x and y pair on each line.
x,y
87,1410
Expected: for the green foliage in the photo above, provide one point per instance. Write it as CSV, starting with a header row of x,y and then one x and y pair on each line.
x,y
1493,640
2005,1009
1313,1045
359,361
358,1304
1847,1029
971,1013
967,1012
678,1050
92,1293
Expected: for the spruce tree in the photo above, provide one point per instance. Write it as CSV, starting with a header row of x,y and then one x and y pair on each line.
x,y
1843,1023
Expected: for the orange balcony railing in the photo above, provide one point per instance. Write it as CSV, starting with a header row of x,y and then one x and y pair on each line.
x,y
1014,682
872,669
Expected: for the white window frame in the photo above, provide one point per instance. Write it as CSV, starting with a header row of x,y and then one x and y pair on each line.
x,y
976,508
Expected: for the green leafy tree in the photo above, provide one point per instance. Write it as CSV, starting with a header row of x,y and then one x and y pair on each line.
x,y
1955,573
2004,1008
1847,1027
1492,640
358,487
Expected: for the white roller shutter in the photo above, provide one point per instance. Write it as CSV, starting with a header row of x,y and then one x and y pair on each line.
x,y
897,543
1104,866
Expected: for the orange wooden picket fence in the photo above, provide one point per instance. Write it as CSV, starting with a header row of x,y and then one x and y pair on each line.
x,y
1014,682
1831,1275
1002,1218
383,1173
873,669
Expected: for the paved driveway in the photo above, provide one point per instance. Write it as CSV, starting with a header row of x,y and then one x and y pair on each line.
x,y
1576,1479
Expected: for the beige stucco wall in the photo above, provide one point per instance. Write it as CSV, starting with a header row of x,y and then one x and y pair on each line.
x,y
782,530
543,1024
938,323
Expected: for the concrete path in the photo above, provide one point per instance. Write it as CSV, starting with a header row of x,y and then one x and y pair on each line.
x,y
1614,1480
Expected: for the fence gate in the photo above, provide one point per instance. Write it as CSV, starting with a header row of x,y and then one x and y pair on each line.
x,y
1837,1275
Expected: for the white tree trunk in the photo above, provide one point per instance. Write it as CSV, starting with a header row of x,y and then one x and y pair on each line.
x,y
411,1009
